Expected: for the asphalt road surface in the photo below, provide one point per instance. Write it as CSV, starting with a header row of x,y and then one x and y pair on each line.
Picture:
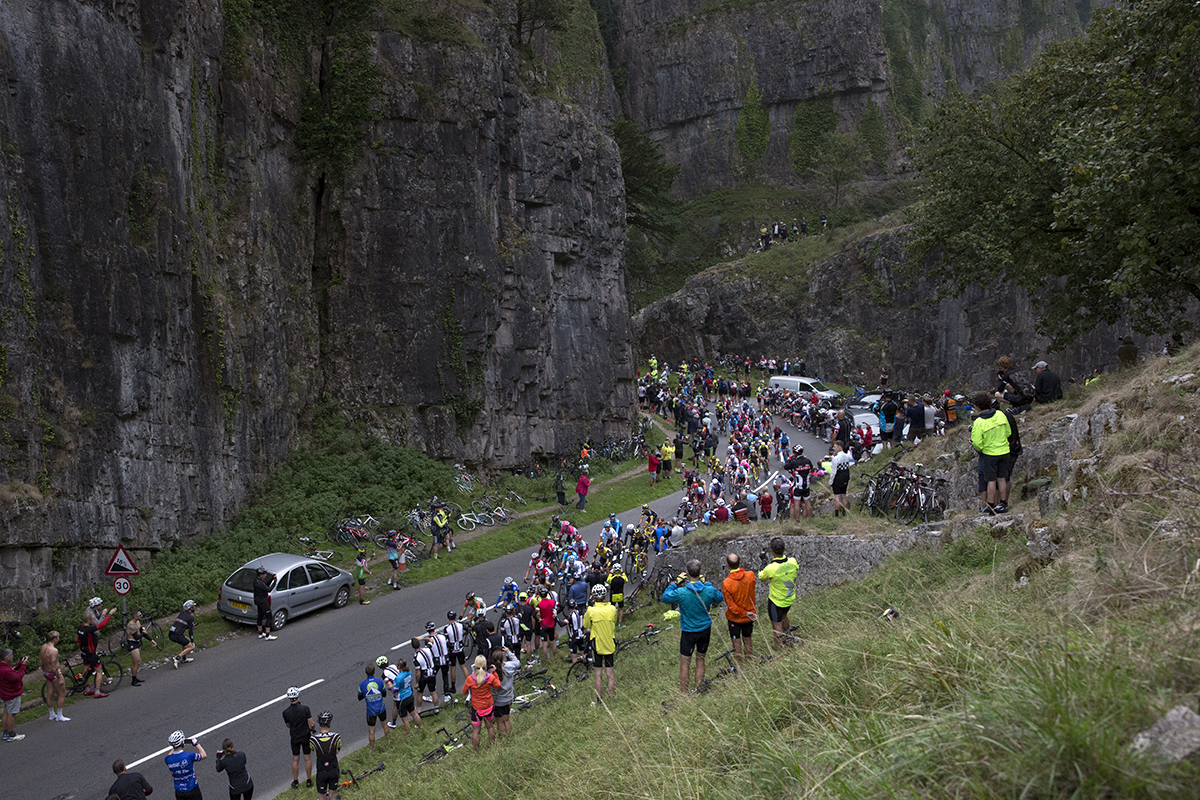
x,y
236,690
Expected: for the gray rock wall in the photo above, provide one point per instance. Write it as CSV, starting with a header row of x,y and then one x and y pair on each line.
x,y
179,288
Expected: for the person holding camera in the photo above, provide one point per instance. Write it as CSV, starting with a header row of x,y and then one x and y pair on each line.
x,y
128,785
233,764
695,597
262,603
182,765
11,688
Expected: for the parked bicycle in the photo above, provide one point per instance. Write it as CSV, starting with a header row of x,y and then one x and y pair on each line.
x,y
307,545
355,779
79,676
453,741
154,634
730,668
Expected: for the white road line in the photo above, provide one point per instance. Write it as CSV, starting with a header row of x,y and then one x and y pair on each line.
x,y
407,642
231,720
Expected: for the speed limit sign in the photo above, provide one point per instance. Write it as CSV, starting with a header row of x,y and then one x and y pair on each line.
x,y
122,585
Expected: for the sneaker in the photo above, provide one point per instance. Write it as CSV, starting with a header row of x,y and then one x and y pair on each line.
x,y
295,784
262,635
13,737
62,718
188,660
426,699
135,682
270,637
364,602
389,581
98,695
308,783
392,724
1001,507
175,662
89,691
53,716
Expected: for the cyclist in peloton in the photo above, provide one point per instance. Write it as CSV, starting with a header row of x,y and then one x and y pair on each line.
x,y
508,593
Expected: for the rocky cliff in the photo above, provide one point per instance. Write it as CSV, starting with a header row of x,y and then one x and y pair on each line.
x,y
848,315
688,65
201,241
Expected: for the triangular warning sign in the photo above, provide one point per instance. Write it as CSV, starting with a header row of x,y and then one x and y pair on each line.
x,y
121,563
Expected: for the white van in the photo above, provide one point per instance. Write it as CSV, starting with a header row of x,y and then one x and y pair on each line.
x,y
796,383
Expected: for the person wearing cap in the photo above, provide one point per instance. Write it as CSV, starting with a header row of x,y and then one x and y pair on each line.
x,y
949,408
183,633
87,637
300,726
262,603
1047,386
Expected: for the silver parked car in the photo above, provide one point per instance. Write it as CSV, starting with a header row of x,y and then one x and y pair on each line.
x,y
298,585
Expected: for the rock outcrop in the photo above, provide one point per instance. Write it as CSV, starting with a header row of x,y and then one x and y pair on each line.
x,y
688,64
182,283
850,314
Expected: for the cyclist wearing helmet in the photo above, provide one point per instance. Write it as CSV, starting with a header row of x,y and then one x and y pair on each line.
x,y
441,658
441,527
525,611
546,623
456,642
300,726
535,563
616,584
183,633
327,744
372,690
508,591
360,574
425,673
86,637
617,526
400,678
510,627
576,635
183,766
600,620
472,607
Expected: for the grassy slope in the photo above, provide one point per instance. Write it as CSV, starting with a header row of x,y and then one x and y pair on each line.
x,y
979,690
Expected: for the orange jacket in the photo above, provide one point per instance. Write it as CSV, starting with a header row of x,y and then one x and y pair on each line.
x,y
738,589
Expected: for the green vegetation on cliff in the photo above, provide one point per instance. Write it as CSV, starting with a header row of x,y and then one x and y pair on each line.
x,y
753,130
1080,175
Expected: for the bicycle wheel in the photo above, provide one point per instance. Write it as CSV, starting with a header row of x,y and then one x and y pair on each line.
x,y
516,498
453,508
380,540
480,506
332,556
908,506
486,520
112,675
466,522
577,673
116,642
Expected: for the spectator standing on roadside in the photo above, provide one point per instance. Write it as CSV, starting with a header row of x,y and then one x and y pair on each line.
x,y
300,726
695,597
327,745
441,527
372,690
233,764
52,671
581,488
479,687
914,414
949,408
87,637
840,467
600,620
509,664
262,604
129,785
884,376
668,454
182,765
740,611
403,707
654,463
780,575
989,437
134,633
12,676
360,575
1047,386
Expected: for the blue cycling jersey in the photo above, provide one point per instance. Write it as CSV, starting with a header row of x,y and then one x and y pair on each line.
x,y
183,770
402,685
372,690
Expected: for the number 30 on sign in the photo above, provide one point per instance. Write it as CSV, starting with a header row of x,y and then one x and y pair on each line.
x,y
122,585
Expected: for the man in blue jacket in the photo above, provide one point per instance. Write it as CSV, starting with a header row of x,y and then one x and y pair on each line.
x,y
695,597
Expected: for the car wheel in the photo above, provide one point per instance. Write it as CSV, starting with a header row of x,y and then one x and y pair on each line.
x,y
342,597
279,619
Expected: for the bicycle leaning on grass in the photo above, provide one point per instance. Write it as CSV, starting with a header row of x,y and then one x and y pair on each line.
x,y
354,779
453,741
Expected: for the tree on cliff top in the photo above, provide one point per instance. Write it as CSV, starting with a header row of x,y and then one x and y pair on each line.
x,y
1078,180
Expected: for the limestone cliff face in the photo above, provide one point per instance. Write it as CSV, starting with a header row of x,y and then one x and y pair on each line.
x,y
849,315
180,287
688,64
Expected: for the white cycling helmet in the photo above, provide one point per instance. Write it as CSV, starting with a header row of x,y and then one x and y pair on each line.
x,y
95,602
509,580
599,592
188,605
533,555
292,693
176,739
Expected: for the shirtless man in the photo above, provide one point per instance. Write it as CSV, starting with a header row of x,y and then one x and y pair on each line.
x,y
52,672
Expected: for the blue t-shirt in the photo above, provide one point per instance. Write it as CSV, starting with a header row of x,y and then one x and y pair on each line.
x,y
182,770
694,599
579,593
402,685
372,690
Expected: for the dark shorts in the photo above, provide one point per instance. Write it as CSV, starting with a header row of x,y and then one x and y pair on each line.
x,y
178,638
605,660
477,718
914,433
91,659
841,481
740,630
264,615
898,432
362,581
777,613
990,467
457,658
304,746
501,711
395,562
1010,461
577,645
190,794
381,718
427,682
327,781
405,707
698,641
666,465
547,633
438,537
527,636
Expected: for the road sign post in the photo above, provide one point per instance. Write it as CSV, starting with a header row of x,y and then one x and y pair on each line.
x,y
121,568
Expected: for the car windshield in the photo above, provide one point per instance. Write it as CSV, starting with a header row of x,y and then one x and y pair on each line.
x,y
820,387
242,580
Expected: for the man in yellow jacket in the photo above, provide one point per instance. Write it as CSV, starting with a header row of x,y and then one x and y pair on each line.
x,y
989,436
